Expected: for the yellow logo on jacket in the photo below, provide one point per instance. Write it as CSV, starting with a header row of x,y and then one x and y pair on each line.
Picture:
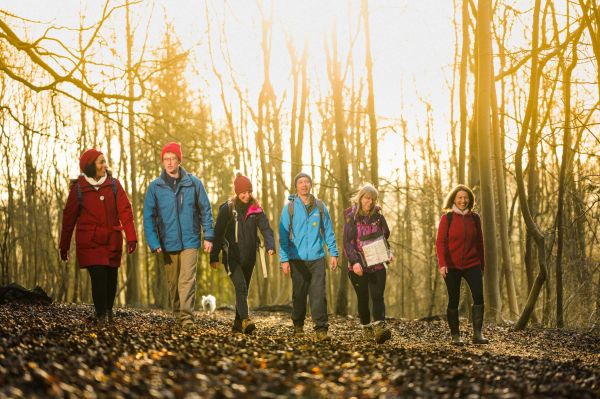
x,y
314,224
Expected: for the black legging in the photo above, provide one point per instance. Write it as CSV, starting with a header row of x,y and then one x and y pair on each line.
x,y
104,287
474,278
373,285
240,277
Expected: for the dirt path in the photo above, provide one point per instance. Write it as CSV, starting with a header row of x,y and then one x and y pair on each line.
x,y
52,351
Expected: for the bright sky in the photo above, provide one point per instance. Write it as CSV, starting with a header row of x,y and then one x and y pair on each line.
x,y
412,45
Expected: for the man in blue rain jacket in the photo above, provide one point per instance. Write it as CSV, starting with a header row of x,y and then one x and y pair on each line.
x,y
175,207
304,227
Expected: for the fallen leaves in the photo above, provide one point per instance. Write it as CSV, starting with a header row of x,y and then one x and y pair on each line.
x,y
50,351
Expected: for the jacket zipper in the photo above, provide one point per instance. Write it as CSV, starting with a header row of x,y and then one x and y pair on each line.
x,y
178,220
462,261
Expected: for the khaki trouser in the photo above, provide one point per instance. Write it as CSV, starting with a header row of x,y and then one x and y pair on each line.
x,y
181,280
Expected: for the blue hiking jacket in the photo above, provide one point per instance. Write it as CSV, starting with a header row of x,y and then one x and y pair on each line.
x,y
307,242
172,219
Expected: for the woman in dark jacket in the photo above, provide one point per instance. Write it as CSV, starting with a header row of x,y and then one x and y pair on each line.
x,y
459,248
236,235
98,208
363,223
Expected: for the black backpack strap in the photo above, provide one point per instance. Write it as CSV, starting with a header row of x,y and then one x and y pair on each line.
x,y
79,198
321,208
232,212
291,217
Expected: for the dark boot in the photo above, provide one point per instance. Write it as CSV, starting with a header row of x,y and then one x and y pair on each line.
x,y
381,333
248,326
453,323
298,330
237,326
477,314
100,320
110,319
367,330
321,335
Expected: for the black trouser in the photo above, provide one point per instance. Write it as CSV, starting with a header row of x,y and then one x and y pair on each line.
x,y
104,287
373,284
474,278
240,277
308,279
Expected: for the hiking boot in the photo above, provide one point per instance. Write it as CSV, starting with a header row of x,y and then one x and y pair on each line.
x,y
367,330
248,326
236,327
381,333
99,320
477,314
110,319
298,330
321,335
187,324
453,323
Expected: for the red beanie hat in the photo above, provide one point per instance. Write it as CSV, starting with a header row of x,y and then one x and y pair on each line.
x,y
241,184
173,147
88,157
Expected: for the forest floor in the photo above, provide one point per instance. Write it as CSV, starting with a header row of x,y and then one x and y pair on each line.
x,y
54,351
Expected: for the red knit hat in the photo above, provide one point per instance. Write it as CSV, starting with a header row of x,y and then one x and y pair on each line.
x,y
241,184
173,147
88,157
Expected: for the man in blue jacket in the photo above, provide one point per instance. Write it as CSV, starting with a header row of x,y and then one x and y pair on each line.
x,y
304,227
175,207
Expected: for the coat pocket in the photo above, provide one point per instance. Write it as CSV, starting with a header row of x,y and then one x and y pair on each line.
x,y
84,236
101,235
116,241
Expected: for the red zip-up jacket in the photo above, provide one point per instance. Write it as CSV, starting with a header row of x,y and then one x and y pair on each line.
x,y
461,247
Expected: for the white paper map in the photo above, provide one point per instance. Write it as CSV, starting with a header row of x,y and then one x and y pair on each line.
x,y
376,252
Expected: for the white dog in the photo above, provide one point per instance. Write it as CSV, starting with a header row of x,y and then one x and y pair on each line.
x,y
209,303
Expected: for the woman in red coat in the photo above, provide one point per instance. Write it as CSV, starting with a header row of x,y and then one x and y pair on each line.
x,y
459,248
99,211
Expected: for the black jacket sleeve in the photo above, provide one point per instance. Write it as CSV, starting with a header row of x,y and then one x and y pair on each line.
x,y
220,228
266,231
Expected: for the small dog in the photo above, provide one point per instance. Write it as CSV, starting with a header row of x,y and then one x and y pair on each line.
x,y
209,303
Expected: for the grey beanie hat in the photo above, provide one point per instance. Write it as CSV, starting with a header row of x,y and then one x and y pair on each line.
x,y
302,174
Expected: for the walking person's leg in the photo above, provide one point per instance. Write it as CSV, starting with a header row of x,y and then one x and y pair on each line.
x,y
453,281
172,266
111,292
317,297
474,277
98,279
361,287
248,326
238,278
300,283
376,282
187,285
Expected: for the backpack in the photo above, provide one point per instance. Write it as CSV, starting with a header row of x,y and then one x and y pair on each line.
x,y
319,205
80,193
233,215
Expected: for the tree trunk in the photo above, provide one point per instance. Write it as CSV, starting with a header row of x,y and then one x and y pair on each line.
x,y
464,63
507,267
337,84
532,228
373,142
565,168
484,133
132,295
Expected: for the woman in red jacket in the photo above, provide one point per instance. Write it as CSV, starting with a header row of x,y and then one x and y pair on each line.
x,y
459,248
100,211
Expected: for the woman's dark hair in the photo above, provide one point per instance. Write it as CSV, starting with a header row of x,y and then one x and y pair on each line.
x,y
449,201
90,171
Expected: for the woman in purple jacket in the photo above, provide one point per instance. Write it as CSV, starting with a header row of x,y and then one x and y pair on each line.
x,y
364,223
